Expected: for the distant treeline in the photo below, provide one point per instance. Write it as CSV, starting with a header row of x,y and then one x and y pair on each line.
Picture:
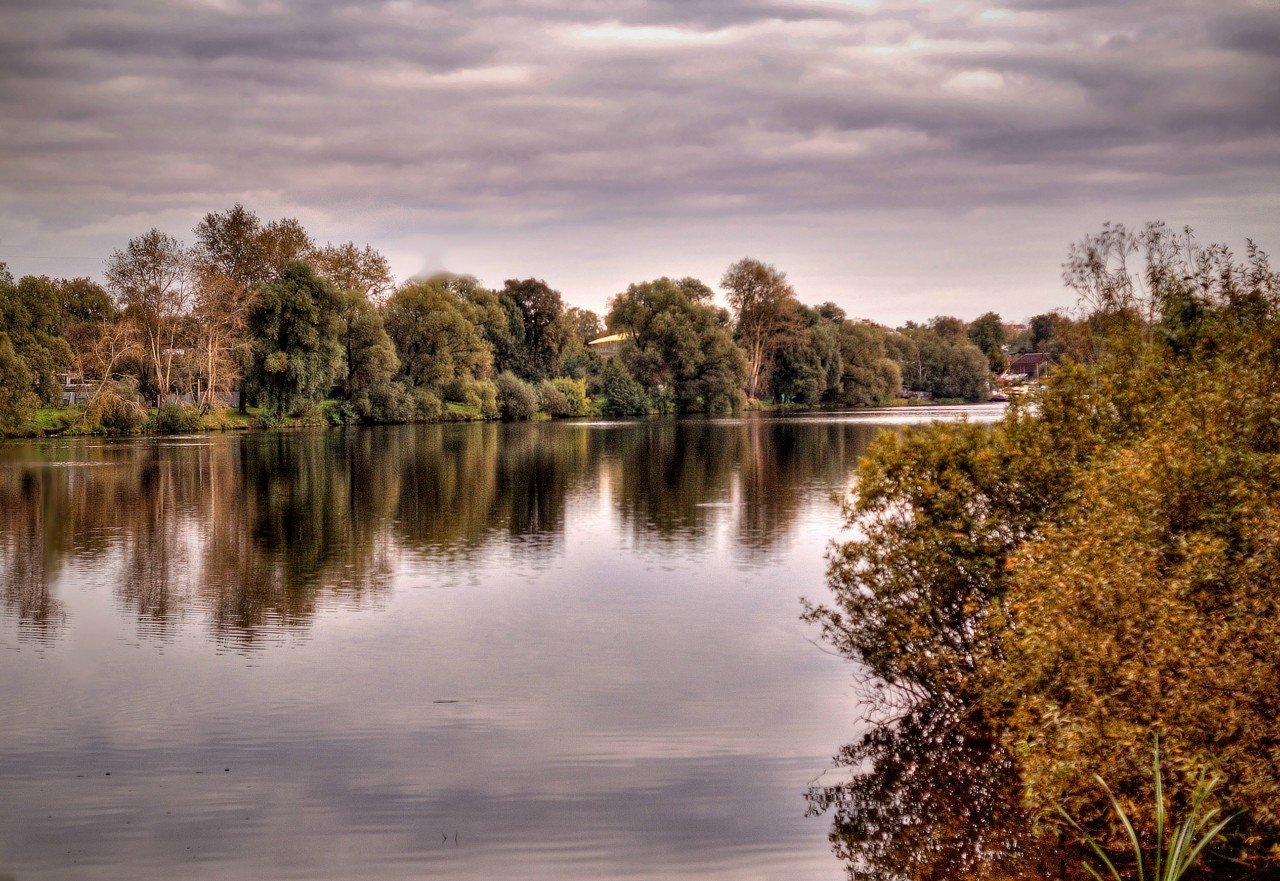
x,y
255,312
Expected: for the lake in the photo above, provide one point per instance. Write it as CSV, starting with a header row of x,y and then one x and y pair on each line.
x,y
561,650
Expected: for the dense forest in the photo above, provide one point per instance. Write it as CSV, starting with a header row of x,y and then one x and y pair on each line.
x,y
255,317
1044,600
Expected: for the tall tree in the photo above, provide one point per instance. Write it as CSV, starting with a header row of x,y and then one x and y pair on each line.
x,y
221,340
586,324
546,329
370,356
284,241
762,300
238,244
153,280
231,243
295,324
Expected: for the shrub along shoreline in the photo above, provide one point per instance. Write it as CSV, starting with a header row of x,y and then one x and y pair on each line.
x,y
173,419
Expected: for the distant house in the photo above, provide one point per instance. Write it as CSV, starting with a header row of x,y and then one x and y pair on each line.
x,y
608,346
76,389
1031,365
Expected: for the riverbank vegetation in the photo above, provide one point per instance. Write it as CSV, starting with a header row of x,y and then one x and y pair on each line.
x,y
1033,602
255,324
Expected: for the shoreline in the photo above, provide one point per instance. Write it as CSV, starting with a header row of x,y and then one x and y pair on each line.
x,y
51,423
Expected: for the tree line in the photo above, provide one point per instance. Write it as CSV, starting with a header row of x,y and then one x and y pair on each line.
x,y
1038,601
301,330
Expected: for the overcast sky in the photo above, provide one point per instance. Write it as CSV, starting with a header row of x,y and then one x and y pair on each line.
x,y
904,159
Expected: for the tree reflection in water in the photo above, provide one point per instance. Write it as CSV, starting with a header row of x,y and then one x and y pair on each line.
x,y
932,797
255,534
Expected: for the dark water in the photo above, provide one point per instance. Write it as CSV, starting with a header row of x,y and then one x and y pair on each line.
x,y
562,650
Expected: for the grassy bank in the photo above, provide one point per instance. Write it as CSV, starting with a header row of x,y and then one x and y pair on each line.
x,y
71,421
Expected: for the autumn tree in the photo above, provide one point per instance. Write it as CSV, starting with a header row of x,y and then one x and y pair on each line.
x,y
285,241
1036,599
236,253
232,244
352,268
152,278
220,332
762,300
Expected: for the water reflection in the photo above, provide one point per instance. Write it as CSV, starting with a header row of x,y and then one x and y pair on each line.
x,y
573,646
258,531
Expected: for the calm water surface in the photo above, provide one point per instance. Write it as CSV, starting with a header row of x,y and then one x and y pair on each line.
x,y
563,650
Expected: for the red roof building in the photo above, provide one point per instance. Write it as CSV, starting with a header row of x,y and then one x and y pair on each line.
x,y
1032,365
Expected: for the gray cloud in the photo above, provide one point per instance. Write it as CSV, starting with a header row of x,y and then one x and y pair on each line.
x,y
477,128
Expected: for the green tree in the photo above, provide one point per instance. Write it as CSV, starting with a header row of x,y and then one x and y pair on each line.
x,y
948,327
17,400
546,329
498,317
987,333
586,324
868,376
946,365
296,327
31,318
623,395
435,336
516,398
809,363
681,342
369,360
82,300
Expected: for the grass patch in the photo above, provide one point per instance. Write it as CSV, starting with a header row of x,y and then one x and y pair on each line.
x,y
48,420
455,412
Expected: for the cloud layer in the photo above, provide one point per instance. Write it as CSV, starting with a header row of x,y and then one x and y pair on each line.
x,y
586,140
